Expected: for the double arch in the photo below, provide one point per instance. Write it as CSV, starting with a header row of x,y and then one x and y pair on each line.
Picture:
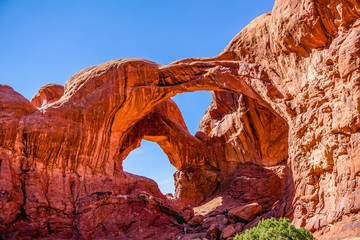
x,y
121,102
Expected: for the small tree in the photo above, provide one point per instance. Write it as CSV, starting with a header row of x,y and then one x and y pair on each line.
x,y
180,219
271,229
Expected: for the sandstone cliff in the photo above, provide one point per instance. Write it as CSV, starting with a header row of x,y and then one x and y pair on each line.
x,y
281,137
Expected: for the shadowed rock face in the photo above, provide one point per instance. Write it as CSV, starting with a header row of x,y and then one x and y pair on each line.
x,y
282,131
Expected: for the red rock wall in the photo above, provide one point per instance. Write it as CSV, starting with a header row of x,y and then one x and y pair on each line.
x,y
313,47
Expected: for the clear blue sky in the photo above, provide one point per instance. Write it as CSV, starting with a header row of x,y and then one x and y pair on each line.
x,y
45,41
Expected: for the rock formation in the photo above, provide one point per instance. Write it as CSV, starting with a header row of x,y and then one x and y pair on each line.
x,y
282,134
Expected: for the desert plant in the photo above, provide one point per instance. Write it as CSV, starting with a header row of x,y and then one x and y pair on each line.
x,y
180,219
272,229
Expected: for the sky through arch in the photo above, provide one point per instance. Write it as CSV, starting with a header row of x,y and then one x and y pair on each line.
x,y
150,161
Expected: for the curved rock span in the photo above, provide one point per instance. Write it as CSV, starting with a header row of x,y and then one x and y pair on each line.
x,y
280,138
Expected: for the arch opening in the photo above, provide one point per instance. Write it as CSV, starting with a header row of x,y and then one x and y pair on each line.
x,y
150,161
193,106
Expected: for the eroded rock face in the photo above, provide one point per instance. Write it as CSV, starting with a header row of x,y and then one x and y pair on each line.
x,y
282,133
48,94
313,48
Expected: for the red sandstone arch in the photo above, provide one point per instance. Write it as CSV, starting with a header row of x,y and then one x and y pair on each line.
x,y
108,100
107,109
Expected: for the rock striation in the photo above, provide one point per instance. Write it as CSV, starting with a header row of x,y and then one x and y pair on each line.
x,y
280,138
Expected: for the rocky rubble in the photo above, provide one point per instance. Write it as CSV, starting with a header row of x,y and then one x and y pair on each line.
x,y
281,134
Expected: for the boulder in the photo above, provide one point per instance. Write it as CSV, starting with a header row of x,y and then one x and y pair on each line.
x,y
196,220
228,232
213,232
188,213
247,212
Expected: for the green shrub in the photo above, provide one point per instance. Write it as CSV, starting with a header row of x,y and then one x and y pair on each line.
x,y
180,219
271,229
